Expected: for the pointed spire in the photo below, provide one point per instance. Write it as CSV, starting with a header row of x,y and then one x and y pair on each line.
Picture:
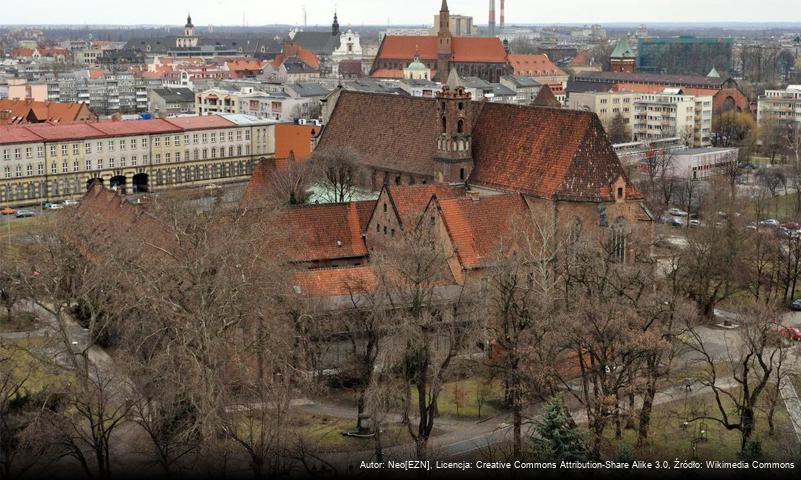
x,y
454,81
444,7
189,19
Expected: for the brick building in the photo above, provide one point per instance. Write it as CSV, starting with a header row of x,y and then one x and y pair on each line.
x,y
482,57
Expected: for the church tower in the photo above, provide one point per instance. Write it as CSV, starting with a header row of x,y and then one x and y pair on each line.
x,y
335,25
189,29
454,154
444,43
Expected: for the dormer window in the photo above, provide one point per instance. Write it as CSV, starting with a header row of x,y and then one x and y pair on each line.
x,y
620,193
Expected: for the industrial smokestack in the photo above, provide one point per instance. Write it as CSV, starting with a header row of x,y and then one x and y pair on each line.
x,y
503,15
492,17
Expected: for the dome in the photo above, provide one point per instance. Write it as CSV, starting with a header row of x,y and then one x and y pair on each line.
x,y
417,65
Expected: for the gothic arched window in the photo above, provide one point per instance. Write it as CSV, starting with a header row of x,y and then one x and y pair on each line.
x,y
618,234
444,125
460,126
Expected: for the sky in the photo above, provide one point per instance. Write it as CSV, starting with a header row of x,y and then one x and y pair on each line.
x,y
380,12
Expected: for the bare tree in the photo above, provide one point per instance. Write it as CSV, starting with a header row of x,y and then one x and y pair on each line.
x,y
339,172
756,360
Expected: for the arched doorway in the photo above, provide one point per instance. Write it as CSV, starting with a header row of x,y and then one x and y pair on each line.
x,y
90,184
140,183
118,184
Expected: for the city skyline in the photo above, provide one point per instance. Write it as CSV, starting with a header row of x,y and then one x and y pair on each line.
x,y
381,12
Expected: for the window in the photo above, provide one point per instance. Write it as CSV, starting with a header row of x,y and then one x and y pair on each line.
x,y
377,225
133,160
110,163
186,139
461,173
122,144
194,138
18,171
5,155
157,158
122,161
111,145
239,135
75,149
167,157
88,164
63,150
213,138
64,167
52,150
177,140
100,164
239,150
17,153
29,170
40,151
167,141
99,147
247,134
7,172
88,147
53,168
385,229
157,142
144,142
205,153
76,166
177,156
617,240
28,152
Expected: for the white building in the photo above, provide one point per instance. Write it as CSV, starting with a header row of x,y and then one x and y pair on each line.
x,y
350,48
673,114
780,105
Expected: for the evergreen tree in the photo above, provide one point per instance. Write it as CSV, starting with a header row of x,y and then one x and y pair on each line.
x,y
557,435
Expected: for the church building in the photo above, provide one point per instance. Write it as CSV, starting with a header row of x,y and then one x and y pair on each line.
x,y
483,57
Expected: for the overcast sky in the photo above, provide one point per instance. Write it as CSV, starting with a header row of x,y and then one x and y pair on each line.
x,y
358,12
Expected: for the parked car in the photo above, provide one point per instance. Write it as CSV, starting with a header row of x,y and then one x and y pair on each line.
x,y
791,226
70,203
8,211
24,213
796,305
695,222
769,222
790,333
677,212
53,206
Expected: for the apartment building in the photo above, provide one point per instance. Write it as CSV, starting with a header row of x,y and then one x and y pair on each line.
x,y
674,114
780,105
606,104
106,93
55,162
274,105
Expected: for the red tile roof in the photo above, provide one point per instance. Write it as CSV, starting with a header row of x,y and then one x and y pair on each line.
x,y
410,201
534,65
323,232
481,228
14,134
56,112
390,132
201,122
465,49
333,282
67,131
543,152
136,127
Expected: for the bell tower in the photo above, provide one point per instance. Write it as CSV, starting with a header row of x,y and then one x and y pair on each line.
x,y
454,155
444,43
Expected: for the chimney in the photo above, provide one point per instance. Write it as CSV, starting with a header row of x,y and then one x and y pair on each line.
x,y
503,15
5,114
492,17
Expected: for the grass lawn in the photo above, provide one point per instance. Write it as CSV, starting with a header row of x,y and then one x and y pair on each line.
x,y
325,432
670,439
462,398
19,322
15,357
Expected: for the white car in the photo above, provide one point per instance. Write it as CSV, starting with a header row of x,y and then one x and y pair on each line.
x,y
70,203
677,212
770,222
56,206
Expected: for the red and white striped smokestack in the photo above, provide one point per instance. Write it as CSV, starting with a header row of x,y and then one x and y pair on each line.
x,y
492,17
503,15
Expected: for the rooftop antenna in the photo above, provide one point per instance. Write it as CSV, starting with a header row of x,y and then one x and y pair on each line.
x,y
304,17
